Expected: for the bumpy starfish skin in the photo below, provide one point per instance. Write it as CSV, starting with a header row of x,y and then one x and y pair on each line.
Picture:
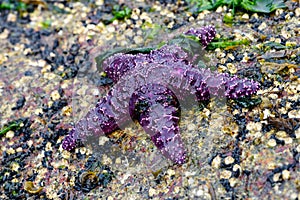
x,y
157,110
117,65
98,121
205,34
155,79
201,81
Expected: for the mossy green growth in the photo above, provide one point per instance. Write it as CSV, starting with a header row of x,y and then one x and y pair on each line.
x,y
13,5
14,125
120,13
227,44
260,6
46,24
274,45
228,18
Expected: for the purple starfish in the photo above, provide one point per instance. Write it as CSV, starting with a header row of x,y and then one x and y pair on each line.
x,y
160,81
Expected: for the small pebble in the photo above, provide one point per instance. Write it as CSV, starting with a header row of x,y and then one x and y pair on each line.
x,y
254,126
255,16
266,113
226,174
285,174
231,68
297,133
236,167
216,162
294,114
110,198
66,154
152,192
10,134
245,16
277,40
276,177
19,149
233,182
171,172
15,166
278,12
229,160
55,95
67,110
262,26
118,161
219,9
281,134
3,36
272,143
297,12
245,58
11,17
288,140
10,151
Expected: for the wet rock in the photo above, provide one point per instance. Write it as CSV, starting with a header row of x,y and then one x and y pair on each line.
x,y
20,103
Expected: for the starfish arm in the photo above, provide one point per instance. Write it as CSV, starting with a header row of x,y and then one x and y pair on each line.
x,y
205,34
116,65
204,81
69,141
100,120
222,85
157,110
236,87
